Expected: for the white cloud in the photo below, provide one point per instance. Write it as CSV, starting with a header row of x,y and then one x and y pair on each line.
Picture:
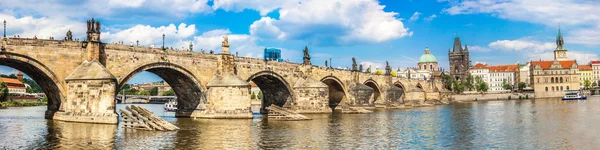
x,y
148,35
373,65
581,17
43,27
117,9
324,22
262,6
522,45
581,57
415,16
479,49
535,50
431,17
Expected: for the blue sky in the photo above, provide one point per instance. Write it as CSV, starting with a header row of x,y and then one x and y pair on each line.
x,y
496,31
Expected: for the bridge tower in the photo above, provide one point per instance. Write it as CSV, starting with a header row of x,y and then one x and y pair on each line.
x,y
90,87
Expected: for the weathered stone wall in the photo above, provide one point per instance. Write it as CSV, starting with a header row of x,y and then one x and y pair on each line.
x,y
57,59
490,96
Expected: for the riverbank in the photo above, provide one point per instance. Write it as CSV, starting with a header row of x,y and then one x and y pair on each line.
x,y
491,97
21,104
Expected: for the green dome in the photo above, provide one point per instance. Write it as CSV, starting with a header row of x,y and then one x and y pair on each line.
x,y
427,57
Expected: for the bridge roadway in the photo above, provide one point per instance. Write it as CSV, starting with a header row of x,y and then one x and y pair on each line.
x,y
81,80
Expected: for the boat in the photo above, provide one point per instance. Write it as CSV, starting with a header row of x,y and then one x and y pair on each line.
x,y
574,96
171,105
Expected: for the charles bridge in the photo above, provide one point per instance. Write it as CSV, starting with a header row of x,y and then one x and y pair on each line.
x,y
82,78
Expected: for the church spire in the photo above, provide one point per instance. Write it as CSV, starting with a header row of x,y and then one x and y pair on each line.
x,y
559,41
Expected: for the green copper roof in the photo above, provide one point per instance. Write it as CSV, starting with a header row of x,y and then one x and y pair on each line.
x,y
427,57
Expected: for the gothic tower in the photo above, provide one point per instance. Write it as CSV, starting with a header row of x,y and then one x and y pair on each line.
x,y
560,53
459,60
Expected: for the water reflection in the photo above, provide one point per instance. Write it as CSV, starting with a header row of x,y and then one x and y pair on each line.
x,y
517,124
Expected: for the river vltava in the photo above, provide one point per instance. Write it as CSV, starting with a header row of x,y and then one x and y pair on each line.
x,y
515,124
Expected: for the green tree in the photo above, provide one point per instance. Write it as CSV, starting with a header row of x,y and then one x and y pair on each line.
x,y
154,91
130,91
447,79
594,84
378,72
260,95
35,88
469,83
253,95
393,73
506,86
3,92
458,87
143,92
482,87
587,84
521,86
169,92
126,86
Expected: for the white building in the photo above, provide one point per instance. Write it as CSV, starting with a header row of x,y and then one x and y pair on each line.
x,y
524,75
596,70
414,74
495,76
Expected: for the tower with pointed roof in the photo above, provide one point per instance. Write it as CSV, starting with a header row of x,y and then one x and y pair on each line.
x,y
459,60
560,53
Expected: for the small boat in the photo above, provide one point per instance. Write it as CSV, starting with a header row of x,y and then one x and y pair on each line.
x,y
574,96
171,105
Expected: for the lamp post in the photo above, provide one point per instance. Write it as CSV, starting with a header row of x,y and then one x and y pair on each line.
x,y
163,46
4,28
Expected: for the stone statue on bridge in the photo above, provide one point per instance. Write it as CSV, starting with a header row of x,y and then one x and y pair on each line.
x,y
306,56
69,36
360,68
354,66
326,65
388,69
225,41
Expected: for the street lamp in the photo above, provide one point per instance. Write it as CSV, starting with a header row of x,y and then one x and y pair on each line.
x,y
163,47
4,28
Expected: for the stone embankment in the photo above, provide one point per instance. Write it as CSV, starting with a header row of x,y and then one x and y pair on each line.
x,y
491,97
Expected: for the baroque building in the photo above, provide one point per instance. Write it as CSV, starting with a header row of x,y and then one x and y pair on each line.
x,y
427,61
459,60
553,78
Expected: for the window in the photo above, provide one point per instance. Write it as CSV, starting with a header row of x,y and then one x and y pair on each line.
x,y
551,80
547,89
424,67
552,88
431,67
561,88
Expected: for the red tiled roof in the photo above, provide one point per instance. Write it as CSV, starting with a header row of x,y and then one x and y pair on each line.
x,y
479,66
596,62
16,87
504,68
11,80
584,68
547,64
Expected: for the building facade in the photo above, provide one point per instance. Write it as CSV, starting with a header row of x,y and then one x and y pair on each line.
x,y
459,60
596,70
496,76
414,73
586,74
524,75
15,86
501,74
552,78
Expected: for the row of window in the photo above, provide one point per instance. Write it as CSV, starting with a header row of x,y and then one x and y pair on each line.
x,y
556,88
555,80
554,72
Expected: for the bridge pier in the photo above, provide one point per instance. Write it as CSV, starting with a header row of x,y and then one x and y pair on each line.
x,y
360,95
90,95
311,96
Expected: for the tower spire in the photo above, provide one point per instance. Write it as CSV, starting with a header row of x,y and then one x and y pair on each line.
x,y
559,40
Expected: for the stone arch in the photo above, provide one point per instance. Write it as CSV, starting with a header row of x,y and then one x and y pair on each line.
x,y
399,84
276,90
376,89
53,87
337,91
189,90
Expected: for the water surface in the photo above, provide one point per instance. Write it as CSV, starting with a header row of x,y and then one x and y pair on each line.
x,y
515,124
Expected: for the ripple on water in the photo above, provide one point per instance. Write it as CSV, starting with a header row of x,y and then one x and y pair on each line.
x,y
527,124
